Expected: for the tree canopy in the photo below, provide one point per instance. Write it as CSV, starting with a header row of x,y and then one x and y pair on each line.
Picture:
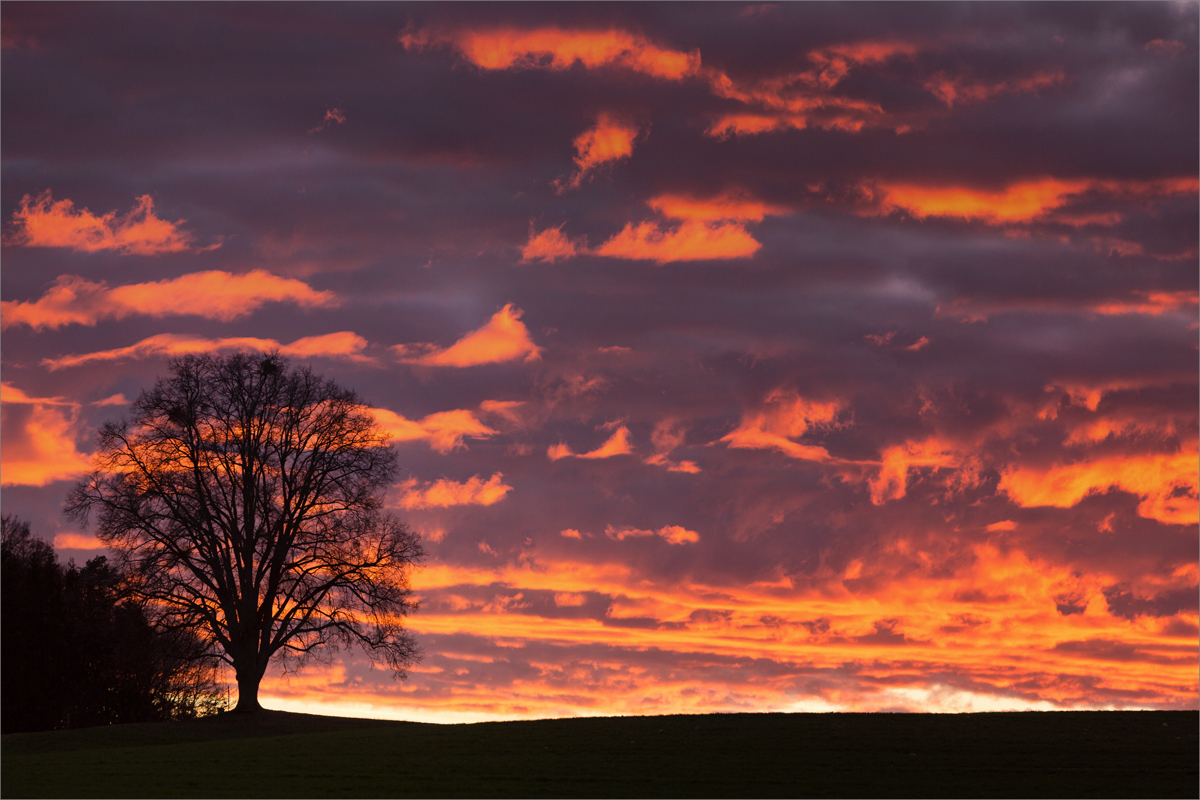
x,y
246,499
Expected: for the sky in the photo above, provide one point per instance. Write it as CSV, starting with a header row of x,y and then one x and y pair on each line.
x,y
738,357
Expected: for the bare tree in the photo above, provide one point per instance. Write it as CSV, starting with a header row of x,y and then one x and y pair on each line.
x,y
246,498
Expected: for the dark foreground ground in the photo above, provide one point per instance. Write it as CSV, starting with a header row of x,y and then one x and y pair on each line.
x,y
277,754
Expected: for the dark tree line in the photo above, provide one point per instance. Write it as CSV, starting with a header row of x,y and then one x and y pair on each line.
x,y
77,650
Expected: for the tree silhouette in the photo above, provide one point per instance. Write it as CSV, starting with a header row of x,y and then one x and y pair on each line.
x,y
79,652
246,500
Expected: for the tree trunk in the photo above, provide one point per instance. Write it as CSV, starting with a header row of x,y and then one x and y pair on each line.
x,y
247,680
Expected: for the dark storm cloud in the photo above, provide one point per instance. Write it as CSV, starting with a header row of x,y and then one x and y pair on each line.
x,y
1124,603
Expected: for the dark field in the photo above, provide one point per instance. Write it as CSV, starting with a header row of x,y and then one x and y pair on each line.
x,y
276,754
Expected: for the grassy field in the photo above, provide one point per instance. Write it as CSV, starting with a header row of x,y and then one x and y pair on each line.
x,y
277,754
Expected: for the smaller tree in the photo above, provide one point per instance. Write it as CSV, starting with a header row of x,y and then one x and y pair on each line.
x,y
247,499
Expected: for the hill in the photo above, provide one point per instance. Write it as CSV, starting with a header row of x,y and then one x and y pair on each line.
x,y
278,754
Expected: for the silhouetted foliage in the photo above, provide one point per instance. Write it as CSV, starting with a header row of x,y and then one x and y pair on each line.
x,y
78,651
246,499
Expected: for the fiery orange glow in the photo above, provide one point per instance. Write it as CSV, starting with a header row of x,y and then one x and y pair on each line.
x,y
832,64
616,445
750,124
1169,484
559,49
39,439
888,403
610,140
715,209
344,344
891,483
1153,303
506,409
549,246
443,493
77,541
1023,201
213,294
503,338
805,99
993,622
42,222
669,434
690,241
672,534
711,228
1019,202
958,89
786,416
444,430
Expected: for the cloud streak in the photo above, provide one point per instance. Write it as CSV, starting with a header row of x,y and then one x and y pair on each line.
x,y
214,294
559,49
43,222
443,430
342,345
503,338
443,493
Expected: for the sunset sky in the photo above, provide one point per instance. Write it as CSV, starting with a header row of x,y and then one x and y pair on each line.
x,y
738,357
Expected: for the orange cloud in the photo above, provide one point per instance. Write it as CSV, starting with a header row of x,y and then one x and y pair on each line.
x,y
444,430
673,534
691,241
1169,484
804,99
443,493
1168,47
751,124
1023,201
661,460
667,435
1019,202
891,483
785,416
951,90
918,344
549,246
832,64
503,408
332,116
989,621
558,49
42,222
213,294
343,344
617,445
569,599
710,229
1153,303
78,541
611,140
721,208
1119,425
39,436
503,338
